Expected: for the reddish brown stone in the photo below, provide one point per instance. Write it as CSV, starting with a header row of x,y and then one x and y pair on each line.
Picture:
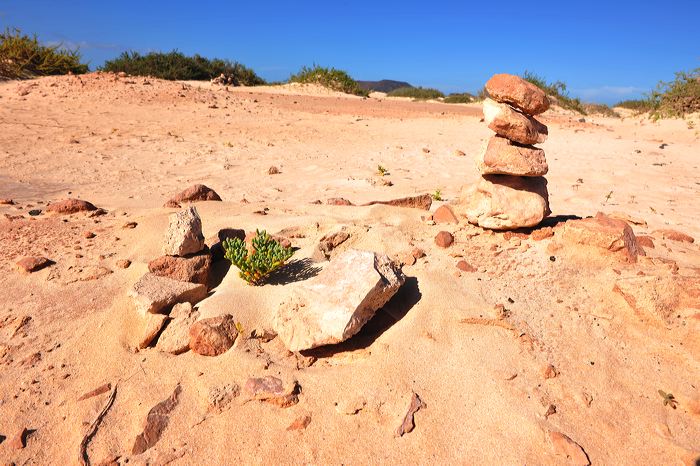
x,y
170,204
156,422
193,269
645,241
604,233
517,92
123,263
567,448
511,124
196,193
505,157
328,243
88,234
213,336
675,235
272,390
464,266
33,263
418,253
70,206
444,214
542,233
338,201
19,441
300,423
444,239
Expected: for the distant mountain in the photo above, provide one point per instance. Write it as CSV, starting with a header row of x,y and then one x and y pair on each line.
x,y
385,85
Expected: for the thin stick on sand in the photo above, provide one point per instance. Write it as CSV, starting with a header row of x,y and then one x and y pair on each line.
x,y
83,459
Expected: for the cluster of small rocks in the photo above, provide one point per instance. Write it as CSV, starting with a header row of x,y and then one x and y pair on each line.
x,y
512,192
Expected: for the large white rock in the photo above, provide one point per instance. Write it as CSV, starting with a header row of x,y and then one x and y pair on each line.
x,y
334,305
184,235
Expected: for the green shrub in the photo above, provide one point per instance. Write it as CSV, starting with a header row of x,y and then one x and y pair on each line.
x,y
336,80
600,109
177,66
638,105
421,93
23,57
460,98
268,255
556,90
677,98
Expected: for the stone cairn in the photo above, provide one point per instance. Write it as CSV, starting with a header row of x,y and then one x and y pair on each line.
x,y
512,192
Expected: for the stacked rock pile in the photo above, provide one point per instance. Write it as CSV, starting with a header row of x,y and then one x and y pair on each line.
x,y
512,192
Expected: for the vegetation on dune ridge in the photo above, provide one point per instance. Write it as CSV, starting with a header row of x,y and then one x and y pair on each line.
x,y
331,78
23,57
557,91
600,109
674,99
175,65
421,93
460,98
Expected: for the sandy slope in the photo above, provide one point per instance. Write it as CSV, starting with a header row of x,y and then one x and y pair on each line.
x,y
128,144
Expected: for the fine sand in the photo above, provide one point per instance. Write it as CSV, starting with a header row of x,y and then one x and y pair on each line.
x,y
128,144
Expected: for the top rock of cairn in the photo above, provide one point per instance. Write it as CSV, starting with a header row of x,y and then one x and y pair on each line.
x,y
517,92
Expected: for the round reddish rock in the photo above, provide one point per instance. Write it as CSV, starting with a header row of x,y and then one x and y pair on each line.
x,y
213,336
464,266
645,241
514,90
196,193
444,239
70,206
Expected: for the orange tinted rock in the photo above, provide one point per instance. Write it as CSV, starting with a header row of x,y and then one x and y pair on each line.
x,y
32,263
503,202
444,214
444,239
193,269
213,336
605,234
424,201
511,124
675,235
517,92
272,390
464,266
567,448
505,157
195,193
70,206
542,233
645,241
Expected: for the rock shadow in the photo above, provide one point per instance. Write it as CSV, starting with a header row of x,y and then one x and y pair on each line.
x,y
396,309
294,271
218,271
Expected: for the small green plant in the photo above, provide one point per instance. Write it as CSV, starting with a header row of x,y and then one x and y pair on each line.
x,y
418,93
336,80
23,57
669,399
677,98
557,90
267,255
382,171
437,195
239,328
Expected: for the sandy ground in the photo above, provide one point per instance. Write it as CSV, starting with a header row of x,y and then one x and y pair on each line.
x,y
128,144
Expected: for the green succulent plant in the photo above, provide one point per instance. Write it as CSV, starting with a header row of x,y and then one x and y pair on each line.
x,y
267,255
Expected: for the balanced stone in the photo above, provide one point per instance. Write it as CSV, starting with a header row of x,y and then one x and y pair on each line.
x,y
514,90
514,125
504,157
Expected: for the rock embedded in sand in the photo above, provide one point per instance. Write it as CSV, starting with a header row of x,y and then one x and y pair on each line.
x,y
328,243
195,193
542,233
503,202
272,390
19,441
514,90
511,124
658,297
605,235
334,305
152,325
572,451
194,268
154,294
464,266
175,339
184,233
505,157
645,241
213,336
444,214
70,206
674,235
423,201
32,263
339,201
444,239
123,263
156,422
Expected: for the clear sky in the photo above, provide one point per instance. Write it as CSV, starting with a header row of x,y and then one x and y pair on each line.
x,y
604,50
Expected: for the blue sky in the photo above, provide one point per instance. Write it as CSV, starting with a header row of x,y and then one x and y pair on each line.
x,y
604,50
